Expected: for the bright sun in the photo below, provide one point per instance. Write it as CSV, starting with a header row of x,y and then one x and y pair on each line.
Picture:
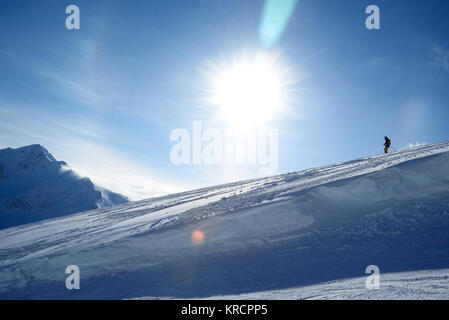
x,y
249,92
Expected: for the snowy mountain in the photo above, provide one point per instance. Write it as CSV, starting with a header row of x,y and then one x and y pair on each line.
x,y
308,234
34,186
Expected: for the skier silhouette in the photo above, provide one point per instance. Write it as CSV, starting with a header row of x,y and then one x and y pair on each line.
x,y
387,144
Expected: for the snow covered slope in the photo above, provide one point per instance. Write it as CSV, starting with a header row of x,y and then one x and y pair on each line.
x,y
34,186
263,235
415,285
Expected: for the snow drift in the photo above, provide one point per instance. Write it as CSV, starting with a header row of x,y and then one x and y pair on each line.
x,y
34,186
263,235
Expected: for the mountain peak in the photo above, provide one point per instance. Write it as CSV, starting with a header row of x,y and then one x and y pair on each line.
x,y
36,150
29,158
34,185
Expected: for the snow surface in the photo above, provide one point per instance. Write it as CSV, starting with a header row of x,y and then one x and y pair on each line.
x,y
34,186
416,285
260,237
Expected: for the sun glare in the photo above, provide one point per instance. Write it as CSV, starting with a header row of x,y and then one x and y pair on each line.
x,y
249,92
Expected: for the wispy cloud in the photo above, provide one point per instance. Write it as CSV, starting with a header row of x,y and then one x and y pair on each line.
x,y
110,169
440,58
82,146
72,88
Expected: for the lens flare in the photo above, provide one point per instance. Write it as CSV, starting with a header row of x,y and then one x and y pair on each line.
x,y
276,15
197,237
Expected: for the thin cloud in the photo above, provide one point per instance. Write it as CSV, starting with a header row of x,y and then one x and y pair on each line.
x,y
112,170
73,89
440,58
84,150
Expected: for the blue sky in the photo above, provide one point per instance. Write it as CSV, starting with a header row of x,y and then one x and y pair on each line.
x,y
106,98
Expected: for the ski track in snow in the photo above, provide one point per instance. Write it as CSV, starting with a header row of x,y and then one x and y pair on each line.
x,y
290,230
